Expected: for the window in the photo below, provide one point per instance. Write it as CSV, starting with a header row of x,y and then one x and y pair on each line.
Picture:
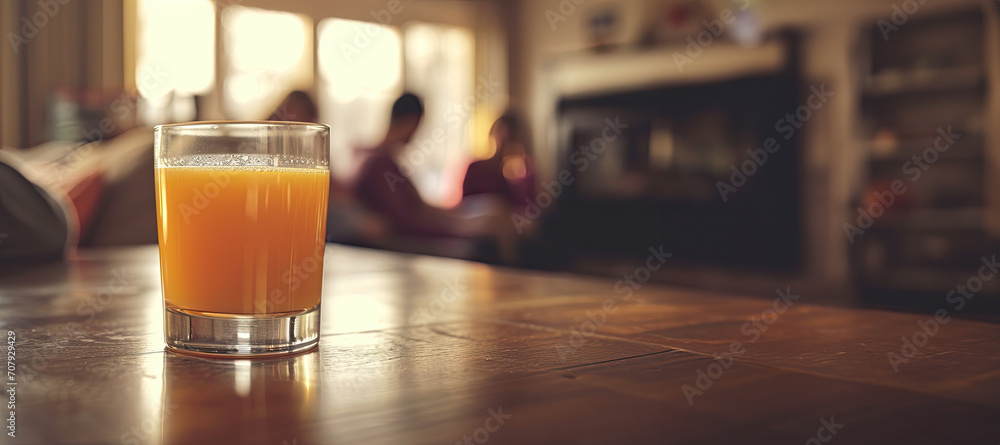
x,y
173,61
360,69
267,55
439,68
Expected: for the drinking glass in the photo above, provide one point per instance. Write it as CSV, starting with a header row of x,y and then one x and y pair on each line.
x,y
241,212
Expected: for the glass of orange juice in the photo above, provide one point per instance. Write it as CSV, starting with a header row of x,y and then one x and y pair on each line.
x,y
241,212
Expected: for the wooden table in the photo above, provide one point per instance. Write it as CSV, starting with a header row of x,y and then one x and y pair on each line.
x,y
428,350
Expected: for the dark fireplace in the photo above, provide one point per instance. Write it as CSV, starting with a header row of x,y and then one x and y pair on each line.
x,y
708,171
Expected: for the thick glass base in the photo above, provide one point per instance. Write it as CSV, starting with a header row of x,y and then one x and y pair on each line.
x,y
238,335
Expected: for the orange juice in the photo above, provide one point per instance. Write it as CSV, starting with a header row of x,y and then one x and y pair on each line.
x,y
245,240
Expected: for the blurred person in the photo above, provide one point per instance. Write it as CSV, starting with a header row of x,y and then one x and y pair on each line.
x,y
346,223
297,106
383,187
510,172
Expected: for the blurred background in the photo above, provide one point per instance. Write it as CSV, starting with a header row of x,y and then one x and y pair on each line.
x,y
849,150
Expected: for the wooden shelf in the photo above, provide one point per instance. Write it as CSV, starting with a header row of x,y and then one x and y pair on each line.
x,y
931,75
971,148
934,219
942,80
903,157
582,74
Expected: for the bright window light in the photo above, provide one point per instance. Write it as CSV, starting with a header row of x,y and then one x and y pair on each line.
x,y
358,57
175,47
360,70
268,54
440,64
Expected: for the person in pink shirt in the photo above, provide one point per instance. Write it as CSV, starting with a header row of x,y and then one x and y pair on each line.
x,y
509,173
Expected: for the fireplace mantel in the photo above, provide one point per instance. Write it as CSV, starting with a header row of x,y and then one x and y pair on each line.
x,y
584,74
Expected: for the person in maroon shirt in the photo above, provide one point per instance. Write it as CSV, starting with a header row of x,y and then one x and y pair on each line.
x,y
383,187
509,173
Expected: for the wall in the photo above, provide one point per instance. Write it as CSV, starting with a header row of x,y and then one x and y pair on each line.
x,y
66,43
485,18
832,159
83,44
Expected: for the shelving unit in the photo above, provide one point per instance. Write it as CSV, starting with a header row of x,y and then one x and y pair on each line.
x,y
915,81
931,74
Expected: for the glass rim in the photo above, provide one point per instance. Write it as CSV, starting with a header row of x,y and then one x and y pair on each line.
x,y
198,125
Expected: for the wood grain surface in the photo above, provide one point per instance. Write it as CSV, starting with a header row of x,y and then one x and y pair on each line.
x,y
421,350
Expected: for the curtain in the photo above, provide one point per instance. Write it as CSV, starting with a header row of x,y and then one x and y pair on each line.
x,y
50,45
